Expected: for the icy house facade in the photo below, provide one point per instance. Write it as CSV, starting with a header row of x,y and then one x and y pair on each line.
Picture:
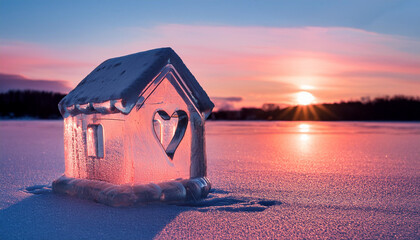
x,y
136,119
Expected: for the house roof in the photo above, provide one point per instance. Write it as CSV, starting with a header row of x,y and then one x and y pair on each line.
x,y
124,78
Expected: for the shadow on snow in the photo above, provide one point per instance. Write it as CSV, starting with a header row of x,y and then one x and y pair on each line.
x,y
45,215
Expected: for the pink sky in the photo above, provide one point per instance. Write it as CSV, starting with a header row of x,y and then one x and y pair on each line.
x,y
256,64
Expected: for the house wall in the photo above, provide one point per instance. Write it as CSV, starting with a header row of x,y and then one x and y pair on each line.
x,y
198,146
133,151
150,161
115,166
75,147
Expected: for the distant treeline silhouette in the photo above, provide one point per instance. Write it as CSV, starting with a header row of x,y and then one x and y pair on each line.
x,y
30,104
44,105
397,108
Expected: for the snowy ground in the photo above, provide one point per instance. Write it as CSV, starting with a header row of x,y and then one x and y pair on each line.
x,y
270,179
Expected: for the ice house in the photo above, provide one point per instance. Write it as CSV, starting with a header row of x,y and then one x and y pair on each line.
x,y
134,132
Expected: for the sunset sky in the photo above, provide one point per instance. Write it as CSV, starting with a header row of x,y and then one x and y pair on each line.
x,y
243,53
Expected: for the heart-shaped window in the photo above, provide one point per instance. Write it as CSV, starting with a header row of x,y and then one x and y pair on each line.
x,y
170,129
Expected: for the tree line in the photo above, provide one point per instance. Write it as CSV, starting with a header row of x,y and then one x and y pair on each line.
x,y
397,108
30,104
44,105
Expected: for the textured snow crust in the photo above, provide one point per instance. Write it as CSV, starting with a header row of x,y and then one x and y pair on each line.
x,y
270,180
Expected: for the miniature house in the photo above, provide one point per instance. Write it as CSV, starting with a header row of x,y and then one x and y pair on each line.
x,y
136,119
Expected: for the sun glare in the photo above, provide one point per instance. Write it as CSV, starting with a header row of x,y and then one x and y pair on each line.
x,y
304,98
304,127
306,87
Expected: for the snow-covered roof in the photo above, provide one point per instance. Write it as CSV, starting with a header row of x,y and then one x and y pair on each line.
x,y
118,82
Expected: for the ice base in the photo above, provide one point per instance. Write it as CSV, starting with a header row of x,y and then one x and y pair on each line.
x,y
176,191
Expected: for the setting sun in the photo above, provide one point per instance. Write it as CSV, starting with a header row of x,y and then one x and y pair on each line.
x,y
304,98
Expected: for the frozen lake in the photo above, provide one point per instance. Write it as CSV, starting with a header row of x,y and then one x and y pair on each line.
x,y
270,179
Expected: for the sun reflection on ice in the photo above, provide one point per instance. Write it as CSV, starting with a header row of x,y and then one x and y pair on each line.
x,y
303,136
304,127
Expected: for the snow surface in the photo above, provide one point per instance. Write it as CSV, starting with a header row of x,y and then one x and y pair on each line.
x,y
269,180
126,77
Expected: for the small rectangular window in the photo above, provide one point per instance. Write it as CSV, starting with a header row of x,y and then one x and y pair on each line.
x,y
95,140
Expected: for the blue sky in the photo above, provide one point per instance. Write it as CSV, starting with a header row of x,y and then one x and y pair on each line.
x,y
69,21
64,40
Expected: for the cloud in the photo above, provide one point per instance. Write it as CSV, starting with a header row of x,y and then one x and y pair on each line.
x,y
17,82
225,103
257,64
228,99
269,64
43,62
